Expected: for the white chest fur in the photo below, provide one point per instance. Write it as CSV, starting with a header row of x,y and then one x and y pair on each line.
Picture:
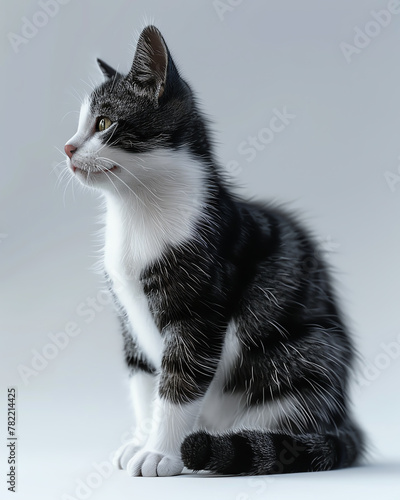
x,y
123,264
156,207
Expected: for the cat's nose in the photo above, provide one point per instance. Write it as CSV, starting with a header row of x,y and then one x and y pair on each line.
x,y
69,150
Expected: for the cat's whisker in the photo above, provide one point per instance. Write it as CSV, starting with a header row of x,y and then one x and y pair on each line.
x,y
108,142
60,151
76,95
61,163
70,182
91,86
114,79
61,177
137,197
115,187
68,113
153,194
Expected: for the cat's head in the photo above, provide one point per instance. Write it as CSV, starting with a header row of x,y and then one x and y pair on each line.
x,y
130,121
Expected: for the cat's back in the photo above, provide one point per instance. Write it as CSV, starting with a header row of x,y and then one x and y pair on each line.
x,y
270,234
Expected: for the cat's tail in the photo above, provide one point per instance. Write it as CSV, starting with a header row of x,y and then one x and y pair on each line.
x,y
261,452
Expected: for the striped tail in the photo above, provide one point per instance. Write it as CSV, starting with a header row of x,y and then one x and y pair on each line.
x,y
259,452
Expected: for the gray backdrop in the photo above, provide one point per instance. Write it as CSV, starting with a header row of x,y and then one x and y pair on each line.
x,y
333,68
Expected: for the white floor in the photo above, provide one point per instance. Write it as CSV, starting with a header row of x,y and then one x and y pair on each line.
x,y
68,478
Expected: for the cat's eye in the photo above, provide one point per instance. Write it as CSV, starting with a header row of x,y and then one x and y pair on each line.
x,y
103,123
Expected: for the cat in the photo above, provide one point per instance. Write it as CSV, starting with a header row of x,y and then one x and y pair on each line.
x,y
238,355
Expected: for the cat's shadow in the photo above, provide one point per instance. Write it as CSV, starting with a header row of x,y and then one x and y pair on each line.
x,y
387,468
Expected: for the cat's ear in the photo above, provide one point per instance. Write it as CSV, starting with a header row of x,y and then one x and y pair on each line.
x,y
150,63
107,70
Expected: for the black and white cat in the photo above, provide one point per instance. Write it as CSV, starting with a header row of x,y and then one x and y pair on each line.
x,y
238,356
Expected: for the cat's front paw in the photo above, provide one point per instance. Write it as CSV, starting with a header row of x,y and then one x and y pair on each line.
x,y
124,454
148,463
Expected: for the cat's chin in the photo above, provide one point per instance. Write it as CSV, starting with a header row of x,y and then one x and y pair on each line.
x,y
86,173
95,178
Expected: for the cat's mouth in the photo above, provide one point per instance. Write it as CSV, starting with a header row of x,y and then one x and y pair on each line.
x,y
76,169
